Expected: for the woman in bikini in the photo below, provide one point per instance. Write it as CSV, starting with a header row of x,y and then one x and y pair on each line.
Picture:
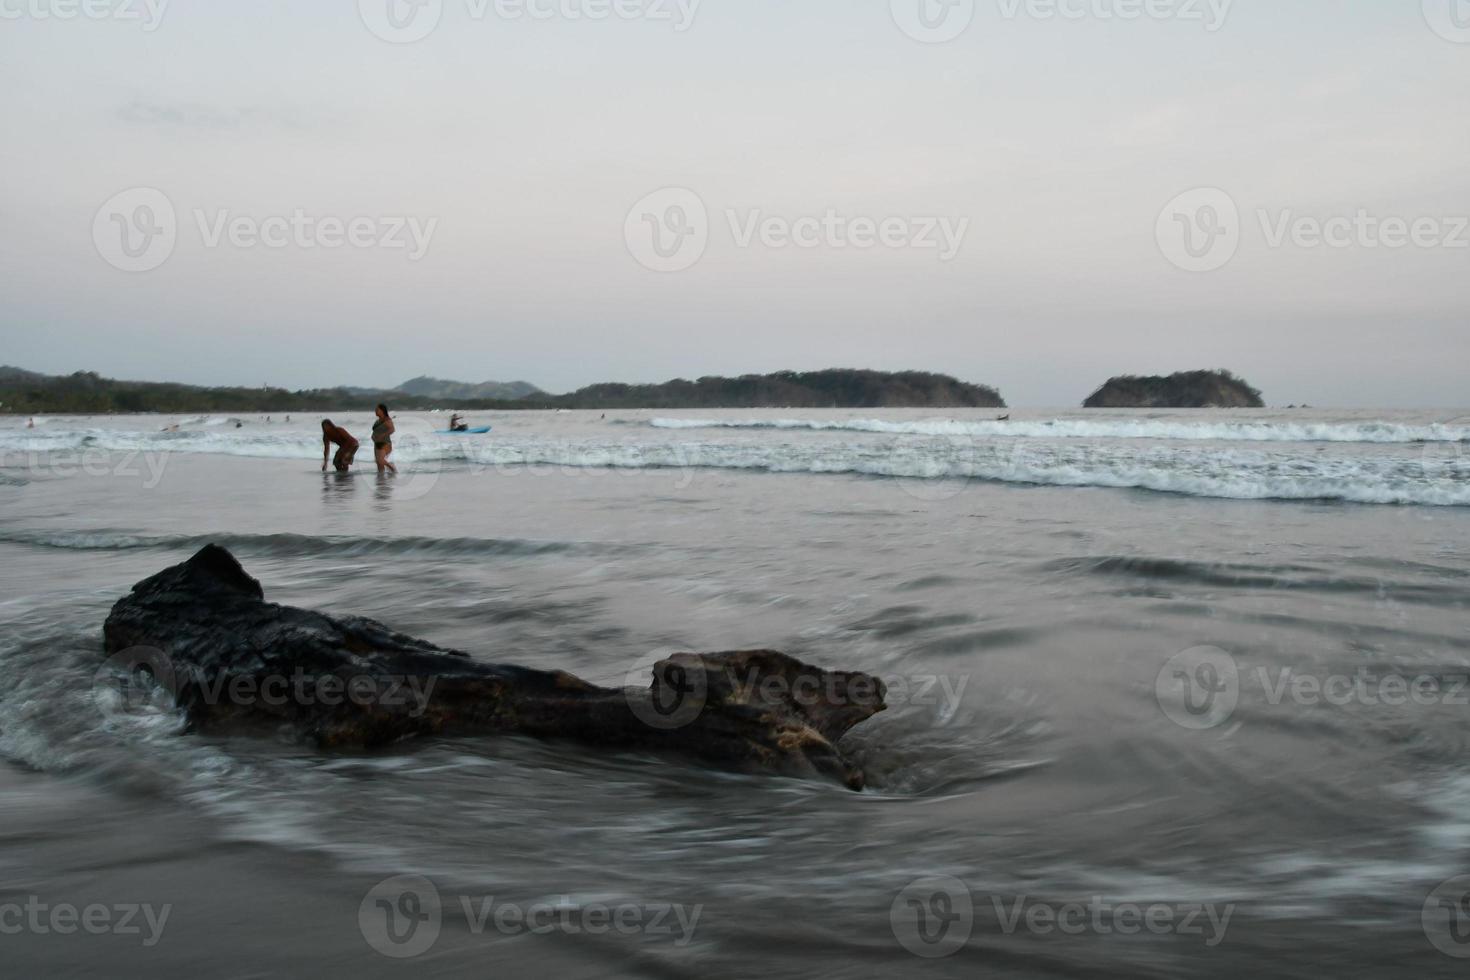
x,y
383,430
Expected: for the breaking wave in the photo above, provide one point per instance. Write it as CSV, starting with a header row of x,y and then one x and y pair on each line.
x,y
1223,461
1377,432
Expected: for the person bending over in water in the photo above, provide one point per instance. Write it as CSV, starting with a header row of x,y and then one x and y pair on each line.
x,y
383,430
333,434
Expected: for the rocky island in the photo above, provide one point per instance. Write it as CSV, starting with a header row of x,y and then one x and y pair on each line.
x,y
1187,389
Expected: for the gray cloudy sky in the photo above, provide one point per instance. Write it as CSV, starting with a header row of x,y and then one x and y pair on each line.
x,y
314,197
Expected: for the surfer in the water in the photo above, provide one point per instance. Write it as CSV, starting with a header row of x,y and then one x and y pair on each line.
x,y
335,435
383,430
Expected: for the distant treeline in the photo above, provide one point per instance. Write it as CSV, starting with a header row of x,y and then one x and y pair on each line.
x,y
86,393
837,388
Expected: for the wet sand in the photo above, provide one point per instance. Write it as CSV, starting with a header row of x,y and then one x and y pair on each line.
x,y
233,910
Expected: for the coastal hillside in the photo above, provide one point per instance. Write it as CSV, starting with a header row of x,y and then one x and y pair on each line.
x,y
1187,389
28,393
836,388
459,391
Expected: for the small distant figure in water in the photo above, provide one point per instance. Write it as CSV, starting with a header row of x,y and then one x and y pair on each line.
x,y
31,424
458,424
1004,418
334,435
383,430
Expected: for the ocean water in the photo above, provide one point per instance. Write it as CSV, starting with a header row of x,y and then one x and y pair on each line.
x,y
1205,671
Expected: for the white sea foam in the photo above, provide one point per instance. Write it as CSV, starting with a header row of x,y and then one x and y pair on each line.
x,y
1390,471
1223,431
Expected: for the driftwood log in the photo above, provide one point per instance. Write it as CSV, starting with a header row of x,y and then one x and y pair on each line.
x,y
204,631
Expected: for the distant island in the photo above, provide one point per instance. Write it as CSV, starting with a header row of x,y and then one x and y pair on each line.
x,y
1187,389
835,388
29,393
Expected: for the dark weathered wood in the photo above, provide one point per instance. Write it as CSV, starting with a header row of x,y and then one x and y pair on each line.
x,y
230,658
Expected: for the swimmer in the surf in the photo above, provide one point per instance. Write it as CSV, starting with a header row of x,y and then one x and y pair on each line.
x,y
335,435
383,430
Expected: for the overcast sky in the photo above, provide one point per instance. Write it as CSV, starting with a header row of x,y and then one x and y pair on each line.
x,y
1049,149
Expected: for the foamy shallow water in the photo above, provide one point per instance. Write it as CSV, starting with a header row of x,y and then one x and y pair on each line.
x,y
1361,457
1032,755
